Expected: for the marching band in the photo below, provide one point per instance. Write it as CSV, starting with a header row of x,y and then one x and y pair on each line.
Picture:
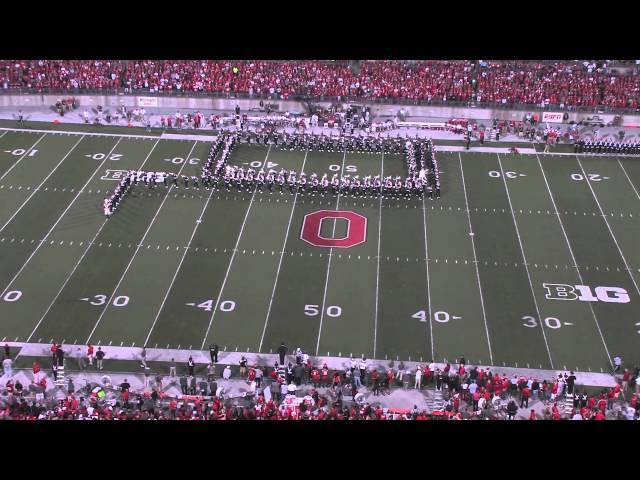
x,y
602,146
423,173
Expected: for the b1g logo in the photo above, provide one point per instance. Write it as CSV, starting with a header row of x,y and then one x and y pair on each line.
x,y
560,291
356,229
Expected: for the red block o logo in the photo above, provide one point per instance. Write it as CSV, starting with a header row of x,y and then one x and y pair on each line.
x,y
356,229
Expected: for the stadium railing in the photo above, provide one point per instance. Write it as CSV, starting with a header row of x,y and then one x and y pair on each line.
x,y
599,109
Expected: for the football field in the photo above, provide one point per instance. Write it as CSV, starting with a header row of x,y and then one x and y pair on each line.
x,y
526,260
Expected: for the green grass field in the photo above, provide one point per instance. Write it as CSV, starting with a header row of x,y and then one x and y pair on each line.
x,y
177,268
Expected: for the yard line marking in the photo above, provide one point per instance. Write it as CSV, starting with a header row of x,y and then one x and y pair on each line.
x,y
326,283
426,253
524,258
609,227
235,249
166,195
475,260
22,156
630,182
175,275
41,183
58,221
55,299
375,321
284,244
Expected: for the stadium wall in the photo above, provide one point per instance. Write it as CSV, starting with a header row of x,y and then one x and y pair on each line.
x,y
383,111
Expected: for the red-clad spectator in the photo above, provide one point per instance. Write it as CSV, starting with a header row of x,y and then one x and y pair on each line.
x,y
525,394
324,376
336,379
389,379
315,377
90,353
602,405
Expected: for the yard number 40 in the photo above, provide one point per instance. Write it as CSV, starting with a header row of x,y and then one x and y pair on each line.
x,y
440,316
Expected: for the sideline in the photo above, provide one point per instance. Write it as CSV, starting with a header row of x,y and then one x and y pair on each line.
x,y
592,379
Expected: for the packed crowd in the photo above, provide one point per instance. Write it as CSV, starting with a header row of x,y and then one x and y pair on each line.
x,y
302,390
518,82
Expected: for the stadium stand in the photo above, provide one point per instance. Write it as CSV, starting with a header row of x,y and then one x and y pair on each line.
x,y
562,85
456,392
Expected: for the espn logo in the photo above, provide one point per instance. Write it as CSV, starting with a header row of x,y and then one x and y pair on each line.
x,y
560,291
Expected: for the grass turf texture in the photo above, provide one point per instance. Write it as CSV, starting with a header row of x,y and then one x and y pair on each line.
x,y
246,277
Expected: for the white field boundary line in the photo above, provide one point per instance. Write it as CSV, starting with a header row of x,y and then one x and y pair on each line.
x,y
55,299
175,275
235,249
164,136
184,136
526,265
29,150
608,226
573,258
475,260
4,134
135,254
284,244
375,318
89,134
326,283
426,256
35,190
59,219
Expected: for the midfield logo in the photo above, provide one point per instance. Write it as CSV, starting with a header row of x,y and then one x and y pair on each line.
x,y
356,229
560,291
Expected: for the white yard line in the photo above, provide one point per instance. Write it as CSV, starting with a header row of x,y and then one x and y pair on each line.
x,y
59,219
55,299
609,227
175,275
35,190
426,256
235,249
166,195
524,258
24,155
475,259
627,175
573,258
284,244
375,318
326,283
